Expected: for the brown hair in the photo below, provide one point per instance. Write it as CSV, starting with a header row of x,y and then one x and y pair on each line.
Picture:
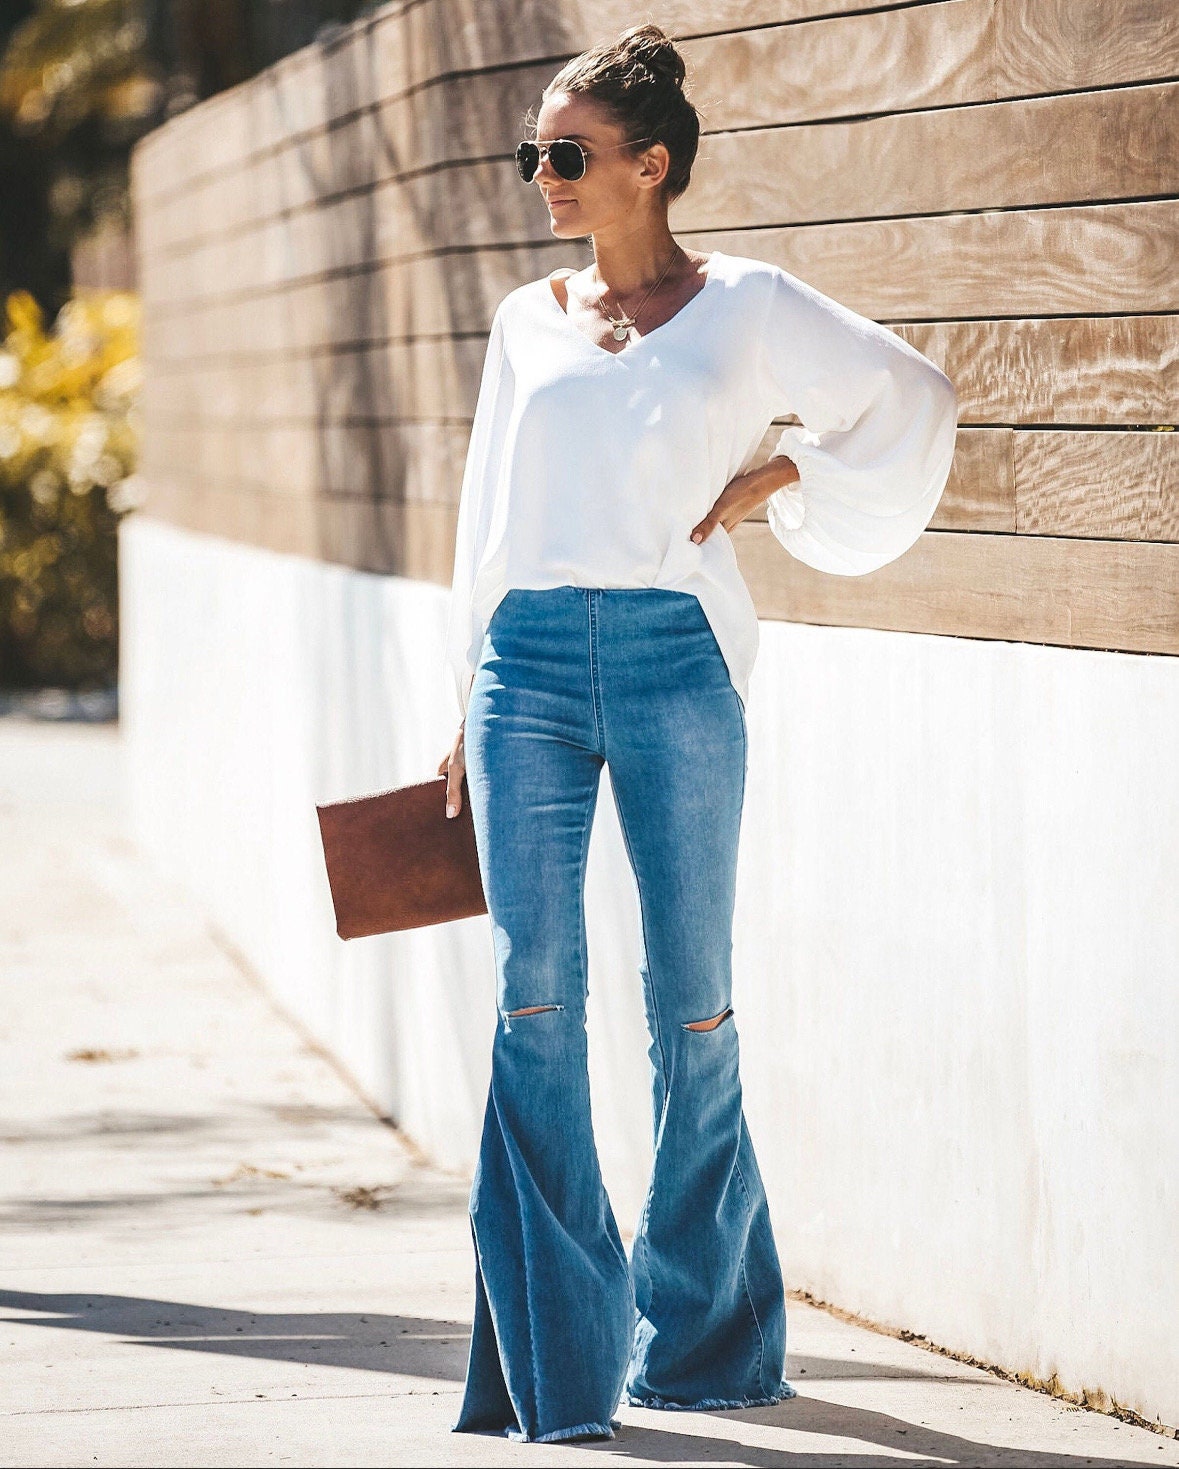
x,y
639,80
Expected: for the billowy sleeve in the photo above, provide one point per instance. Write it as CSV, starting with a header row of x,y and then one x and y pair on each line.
x,y
464,632
464,627
876,431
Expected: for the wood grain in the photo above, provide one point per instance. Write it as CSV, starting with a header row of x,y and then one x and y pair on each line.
x,y
322,249
920,56
1114,485
445,90
1060,482
1112,259
1115,258
980,492
1108,485
1109,370
1077,593
1074,593
1089,146
1081,371
1052,45
1086,147
845,66
383,462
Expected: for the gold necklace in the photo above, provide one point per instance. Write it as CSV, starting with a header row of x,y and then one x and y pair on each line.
x,y
623,324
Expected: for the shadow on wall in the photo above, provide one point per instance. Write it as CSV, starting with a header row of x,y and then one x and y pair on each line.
x,y
428,268
391,330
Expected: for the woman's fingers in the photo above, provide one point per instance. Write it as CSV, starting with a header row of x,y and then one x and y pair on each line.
x,y
454,788
455,767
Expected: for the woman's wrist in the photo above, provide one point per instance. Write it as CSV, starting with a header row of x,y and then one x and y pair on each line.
x,y
777,473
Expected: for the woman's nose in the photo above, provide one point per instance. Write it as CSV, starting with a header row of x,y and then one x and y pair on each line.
x,y
545,171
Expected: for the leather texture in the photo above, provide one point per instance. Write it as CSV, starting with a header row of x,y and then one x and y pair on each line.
x,y
395,860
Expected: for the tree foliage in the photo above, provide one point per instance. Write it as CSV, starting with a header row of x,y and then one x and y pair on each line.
x,y
68,448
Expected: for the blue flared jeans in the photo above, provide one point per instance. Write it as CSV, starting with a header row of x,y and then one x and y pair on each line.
x,y
566,1325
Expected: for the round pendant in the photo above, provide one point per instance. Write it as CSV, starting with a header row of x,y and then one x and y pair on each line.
x,y
620,333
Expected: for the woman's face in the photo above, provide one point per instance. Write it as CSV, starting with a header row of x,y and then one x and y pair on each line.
x,y
617,181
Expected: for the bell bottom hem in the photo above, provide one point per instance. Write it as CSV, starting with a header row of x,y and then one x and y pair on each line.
x,y
558,1435
714,1405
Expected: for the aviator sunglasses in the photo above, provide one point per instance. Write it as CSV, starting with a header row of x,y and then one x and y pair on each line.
x,y
567,157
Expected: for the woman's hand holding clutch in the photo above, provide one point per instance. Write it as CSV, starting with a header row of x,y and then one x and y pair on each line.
x,y
453,766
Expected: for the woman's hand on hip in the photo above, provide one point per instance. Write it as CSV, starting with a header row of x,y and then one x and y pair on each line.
x,y
453,766
744,493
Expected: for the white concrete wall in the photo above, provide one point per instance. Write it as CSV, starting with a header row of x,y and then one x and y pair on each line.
x,y
957,940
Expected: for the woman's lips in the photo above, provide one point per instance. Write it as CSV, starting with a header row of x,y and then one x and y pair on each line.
x,y
553,203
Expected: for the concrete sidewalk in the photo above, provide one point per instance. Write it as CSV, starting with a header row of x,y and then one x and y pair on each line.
x,y
213,1253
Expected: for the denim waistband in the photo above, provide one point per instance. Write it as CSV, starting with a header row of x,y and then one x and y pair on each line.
x,y
595,657
627,605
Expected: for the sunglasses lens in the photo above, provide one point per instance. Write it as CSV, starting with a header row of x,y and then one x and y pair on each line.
x,y
527,160
567,159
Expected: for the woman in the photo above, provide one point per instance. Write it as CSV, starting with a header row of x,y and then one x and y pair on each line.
x,y
598,616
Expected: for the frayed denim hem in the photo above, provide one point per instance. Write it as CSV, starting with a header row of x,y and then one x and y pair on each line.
x,y
580,1430
715,1405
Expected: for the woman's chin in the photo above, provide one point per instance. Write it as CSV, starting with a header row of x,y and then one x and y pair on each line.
x,y
567,223
564,229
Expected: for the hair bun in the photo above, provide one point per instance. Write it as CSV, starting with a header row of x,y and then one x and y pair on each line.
x,y
637,78
652,48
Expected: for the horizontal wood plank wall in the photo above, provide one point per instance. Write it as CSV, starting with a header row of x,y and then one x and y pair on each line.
x,y
322,248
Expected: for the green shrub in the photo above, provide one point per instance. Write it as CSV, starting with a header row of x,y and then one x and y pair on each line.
x,y
68,446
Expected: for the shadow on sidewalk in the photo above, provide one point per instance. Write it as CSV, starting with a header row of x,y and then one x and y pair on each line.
x,y
905,1442
420,1347
405,1345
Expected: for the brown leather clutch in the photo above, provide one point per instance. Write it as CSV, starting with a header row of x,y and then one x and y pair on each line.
x,y
395,860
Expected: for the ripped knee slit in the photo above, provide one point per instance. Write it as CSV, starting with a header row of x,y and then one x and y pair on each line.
x,y
532,1010
709,1024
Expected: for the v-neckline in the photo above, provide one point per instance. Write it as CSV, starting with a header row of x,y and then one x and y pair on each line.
x,y
632,346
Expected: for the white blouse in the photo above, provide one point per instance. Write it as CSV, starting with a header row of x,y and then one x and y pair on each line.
x,y
590,468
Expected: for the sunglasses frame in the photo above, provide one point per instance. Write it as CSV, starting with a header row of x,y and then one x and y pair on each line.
x,y
543,151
